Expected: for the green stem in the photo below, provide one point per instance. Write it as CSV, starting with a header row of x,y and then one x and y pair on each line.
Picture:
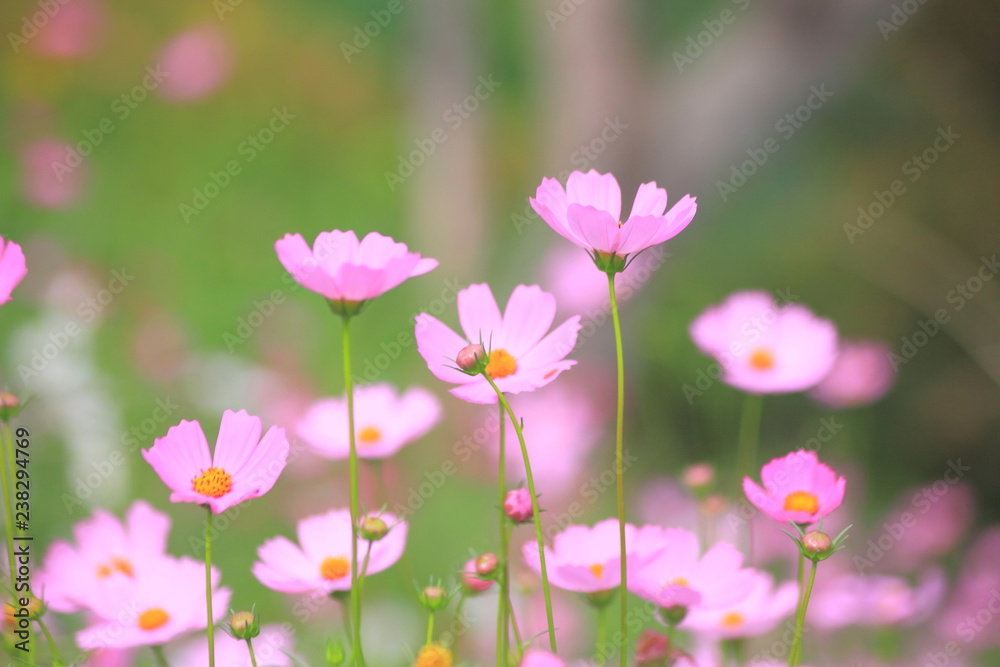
x,y
602,635
535,511
56,658
208,587
430,628
504,597
510,610
253,658
161,660
619,470
795,655
801,574
7,444
356,650
457,634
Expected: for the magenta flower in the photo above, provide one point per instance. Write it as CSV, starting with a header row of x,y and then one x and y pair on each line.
x,y
764,348
165,601
587,559
754,614
244,465
861,374
346,271
521,356
680,576
321,562
588,213
107,552
384,421
797,489
12,268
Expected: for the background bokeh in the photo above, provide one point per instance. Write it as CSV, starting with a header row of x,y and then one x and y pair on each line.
x,y
154,152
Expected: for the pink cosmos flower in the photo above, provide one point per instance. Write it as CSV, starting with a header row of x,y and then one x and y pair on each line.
x,y
521,356
107,552
680,576
73,30
875,600
196,62
588,560
52,174
754,614
797,488
924,526
861,374
12,268
271,648
538,658
244,465
384,421
344,270
588,213
321,563
167,600
764,348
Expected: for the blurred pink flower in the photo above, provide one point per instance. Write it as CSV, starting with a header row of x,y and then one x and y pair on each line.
x,y
973,607
52,174
764,348
344,270
321,563
244,465
517,505
752,615
106,553
924,526
861,374
195,62
271,647
561,427
875,600
587,559
521,356
12,268
538,658
680,576
569,274
588,213
166,600
797,488
384,421
73,30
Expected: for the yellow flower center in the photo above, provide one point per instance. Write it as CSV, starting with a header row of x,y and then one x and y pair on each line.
x,y
152,619
335,568
214,482
116,564
732,620
433,655
762,359
501,364
369,435
597,570
801,501
680,581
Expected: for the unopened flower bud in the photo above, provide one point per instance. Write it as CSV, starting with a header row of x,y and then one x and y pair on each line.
x,y
434,655
652,647
698,477
472,581
10,406
373,528
244,625
335,652
486,565
672,616
471,357
434,598
517,506
817,544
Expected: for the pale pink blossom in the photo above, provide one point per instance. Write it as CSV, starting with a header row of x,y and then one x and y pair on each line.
x,y
539,658
862,373
321,562
385,421
875,600
271,647
752,615
797,488
72,30
765,348
52,174
12,268
195,63
243,466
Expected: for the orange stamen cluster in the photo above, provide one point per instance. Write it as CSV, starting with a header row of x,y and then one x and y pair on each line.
x,y
214,483
369,435
334,568
154,618
801,501
501,364
762,359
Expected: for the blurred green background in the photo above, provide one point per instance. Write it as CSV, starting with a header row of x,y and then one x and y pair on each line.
x,y
672,92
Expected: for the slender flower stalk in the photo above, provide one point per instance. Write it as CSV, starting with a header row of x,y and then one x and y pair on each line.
x,y
253,657
6,484
503,600
356,577
161,661
53,647
534,506
619,468
795,655
602,635
208,588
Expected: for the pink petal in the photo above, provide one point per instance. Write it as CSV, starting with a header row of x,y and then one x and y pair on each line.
x,y
359,283
298,260
528,316
239,433
554,347
600,191
649,201
179,456
423,266
439,346
12,268
376,250
331,249
596,228
261,471
639,233
478,391
480,316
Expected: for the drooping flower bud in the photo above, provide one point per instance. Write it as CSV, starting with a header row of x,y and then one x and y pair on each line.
x,y
472,358
244,625
652,648
698,477
472,581
517,506
373,528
